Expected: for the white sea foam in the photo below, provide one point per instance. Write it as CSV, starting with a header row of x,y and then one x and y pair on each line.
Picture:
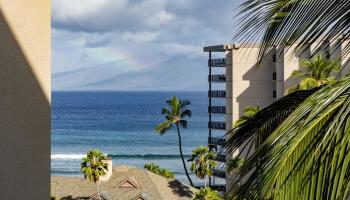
x,y
67,156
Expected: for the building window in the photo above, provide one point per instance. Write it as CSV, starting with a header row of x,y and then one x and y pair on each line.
x,y
328,54
274,76
274,58
274,94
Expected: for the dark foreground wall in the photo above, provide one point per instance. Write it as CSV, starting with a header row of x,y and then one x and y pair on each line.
x,y
25,87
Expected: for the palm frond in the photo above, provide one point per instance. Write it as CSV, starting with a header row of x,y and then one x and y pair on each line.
x,y
186,113
266,120
163,127
165,111
309,83
183,123
184,103
294,22
307,156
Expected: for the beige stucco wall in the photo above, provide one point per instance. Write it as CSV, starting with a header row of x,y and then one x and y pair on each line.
x,y
25,62
247,84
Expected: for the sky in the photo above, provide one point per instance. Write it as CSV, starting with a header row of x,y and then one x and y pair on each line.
x,y
136,44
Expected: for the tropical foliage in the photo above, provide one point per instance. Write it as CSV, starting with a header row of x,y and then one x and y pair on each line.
x,y
314,73
176,114
304,153
248,113
203,162
296,23
302,139
93,167
158,170
207,194
233,164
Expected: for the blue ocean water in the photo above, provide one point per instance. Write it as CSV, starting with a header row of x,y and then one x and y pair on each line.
x,y
121,124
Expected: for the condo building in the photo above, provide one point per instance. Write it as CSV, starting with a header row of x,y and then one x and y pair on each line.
x,y
235,82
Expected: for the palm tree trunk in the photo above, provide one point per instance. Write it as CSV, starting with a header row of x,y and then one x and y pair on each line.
x,y
182,156
205,183
98,191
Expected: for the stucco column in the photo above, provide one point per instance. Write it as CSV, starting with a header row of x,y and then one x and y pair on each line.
x,y
25,88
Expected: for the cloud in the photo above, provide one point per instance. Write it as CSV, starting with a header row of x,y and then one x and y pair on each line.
x,y
144,34
108,15
139,36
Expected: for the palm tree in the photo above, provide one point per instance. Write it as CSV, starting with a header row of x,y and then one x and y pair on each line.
x,y
304,150
249,112
303,138
202,163
314,73
93,168
158,170
297,23
175,114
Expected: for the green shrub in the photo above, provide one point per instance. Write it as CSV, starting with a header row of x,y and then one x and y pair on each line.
x,y
52,198
160,171
207,194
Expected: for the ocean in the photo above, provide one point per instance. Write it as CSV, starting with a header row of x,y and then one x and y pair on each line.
x,y
121,124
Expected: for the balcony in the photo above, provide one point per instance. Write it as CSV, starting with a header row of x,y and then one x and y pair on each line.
x,y
217,109
219,173
219,62
221,78
217,125
217,94
216,141
220,158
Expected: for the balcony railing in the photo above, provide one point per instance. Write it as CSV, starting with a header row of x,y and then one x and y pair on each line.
x,y
217,125
218,62
217,93
219,173
217,109
220,78
216,141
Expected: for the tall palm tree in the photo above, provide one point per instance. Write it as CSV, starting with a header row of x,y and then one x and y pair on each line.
x,y
303,153
315,72
202,163
175,114
248,113
93,168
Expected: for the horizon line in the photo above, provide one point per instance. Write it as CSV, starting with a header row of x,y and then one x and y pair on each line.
x,y
128,91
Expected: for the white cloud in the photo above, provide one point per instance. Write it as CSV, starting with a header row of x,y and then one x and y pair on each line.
x,y
147,33
107,15
140,37
159,19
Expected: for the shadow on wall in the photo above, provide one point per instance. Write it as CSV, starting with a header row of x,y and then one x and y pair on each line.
x,y
261,85
24,125
291,81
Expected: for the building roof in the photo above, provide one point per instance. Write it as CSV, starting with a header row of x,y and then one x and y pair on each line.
x,y
126,183
218,48
227,47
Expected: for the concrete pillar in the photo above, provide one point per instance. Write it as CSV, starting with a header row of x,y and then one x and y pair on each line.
x,y
229,117
280,72
25,88
337,53
109,170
